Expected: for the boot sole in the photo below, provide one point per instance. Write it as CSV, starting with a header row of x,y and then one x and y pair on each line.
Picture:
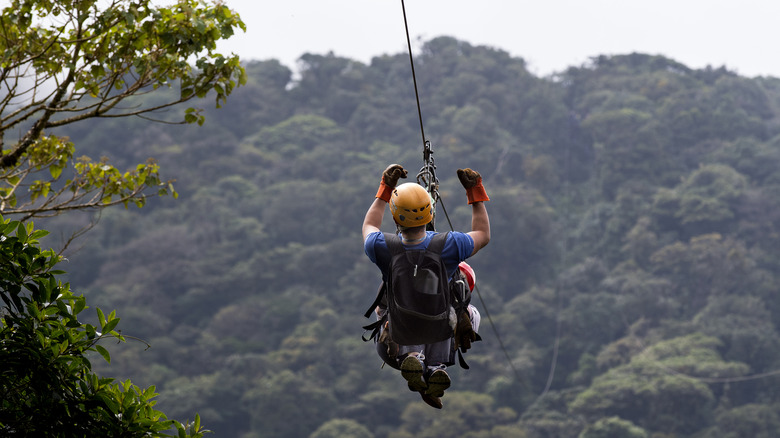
x,y
412,372
437,383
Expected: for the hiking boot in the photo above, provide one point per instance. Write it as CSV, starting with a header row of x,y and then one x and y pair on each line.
x,y
438,381
432,401
412,371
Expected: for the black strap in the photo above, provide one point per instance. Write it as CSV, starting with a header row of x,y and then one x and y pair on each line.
x,y
393,244
379,295
437,243
375,327
461,361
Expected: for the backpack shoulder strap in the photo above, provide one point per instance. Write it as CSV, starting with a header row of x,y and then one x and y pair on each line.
x,y
395,247
393,244
437,242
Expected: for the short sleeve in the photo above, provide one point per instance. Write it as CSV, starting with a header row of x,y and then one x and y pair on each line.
x,y
369,246
457,248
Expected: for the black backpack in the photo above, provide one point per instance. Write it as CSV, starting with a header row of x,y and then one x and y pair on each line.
x,y
417,293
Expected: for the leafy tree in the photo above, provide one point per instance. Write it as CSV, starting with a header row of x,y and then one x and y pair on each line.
x,y
640,295
630,147
549,416
708,197
751,420
65,62
613,427
660,389
588,318
709,265
523,218
281,406
744,324
465,413
47,387
340,428
68,61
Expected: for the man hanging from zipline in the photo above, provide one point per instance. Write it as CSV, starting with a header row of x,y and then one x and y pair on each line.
x,y
423,320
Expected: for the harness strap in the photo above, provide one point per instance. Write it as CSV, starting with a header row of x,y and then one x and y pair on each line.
x,y
461,360
375,327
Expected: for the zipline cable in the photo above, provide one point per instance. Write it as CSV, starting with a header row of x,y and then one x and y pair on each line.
x,y
414,79
427,177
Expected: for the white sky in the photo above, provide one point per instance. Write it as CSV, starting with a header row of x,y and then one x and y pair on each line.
x,y
550,35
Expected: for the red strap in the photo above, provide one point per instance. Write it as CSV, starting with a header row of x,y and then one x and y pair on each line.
x,y
384,191
477,193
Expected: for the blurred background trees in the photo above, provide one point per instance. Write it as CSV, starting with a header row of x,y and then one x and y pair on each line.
x,y
631,276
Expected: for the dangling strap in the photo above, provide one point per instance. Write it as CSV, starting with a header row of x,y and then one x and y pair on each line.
x,y
375,326
379,295
461,360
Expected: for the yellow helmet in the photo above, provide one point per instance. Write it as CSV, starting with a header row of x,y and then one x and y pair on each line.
x,y
410,205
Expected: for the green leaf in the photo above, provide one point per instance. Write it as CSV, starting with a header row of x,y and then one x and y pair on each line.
x,y
79,305
37,234
55,171
103,352
21,232
109,327
101,317
110,402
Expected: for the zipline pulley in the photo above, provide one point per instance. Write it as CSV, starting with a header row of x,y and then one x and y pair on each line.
x,y
427,178
427,174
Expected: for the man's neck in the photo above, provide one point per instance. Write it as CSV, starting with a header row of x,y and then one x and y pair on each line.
x,y
413,236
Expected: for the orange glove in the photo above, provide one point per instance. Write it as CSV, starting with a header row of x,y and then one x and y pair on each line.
x,y
472,182
390,178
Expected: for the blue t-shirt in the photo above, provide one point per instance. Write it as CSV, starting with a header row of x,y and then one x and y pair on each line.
x,y
457,248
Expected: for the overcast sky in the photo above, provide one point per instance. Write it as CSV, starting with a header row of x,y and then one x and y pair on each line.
x,y
549,34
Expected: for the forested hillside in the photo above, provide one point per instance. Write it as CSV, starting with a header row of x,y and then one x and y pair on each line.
x,y
632,276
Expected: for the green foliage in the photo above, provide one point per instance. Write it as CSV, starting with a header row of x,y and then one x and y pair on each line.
x,y
659,388
466,414
47,384
753,420
73,61
613,427
708,196
280,399
339,428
